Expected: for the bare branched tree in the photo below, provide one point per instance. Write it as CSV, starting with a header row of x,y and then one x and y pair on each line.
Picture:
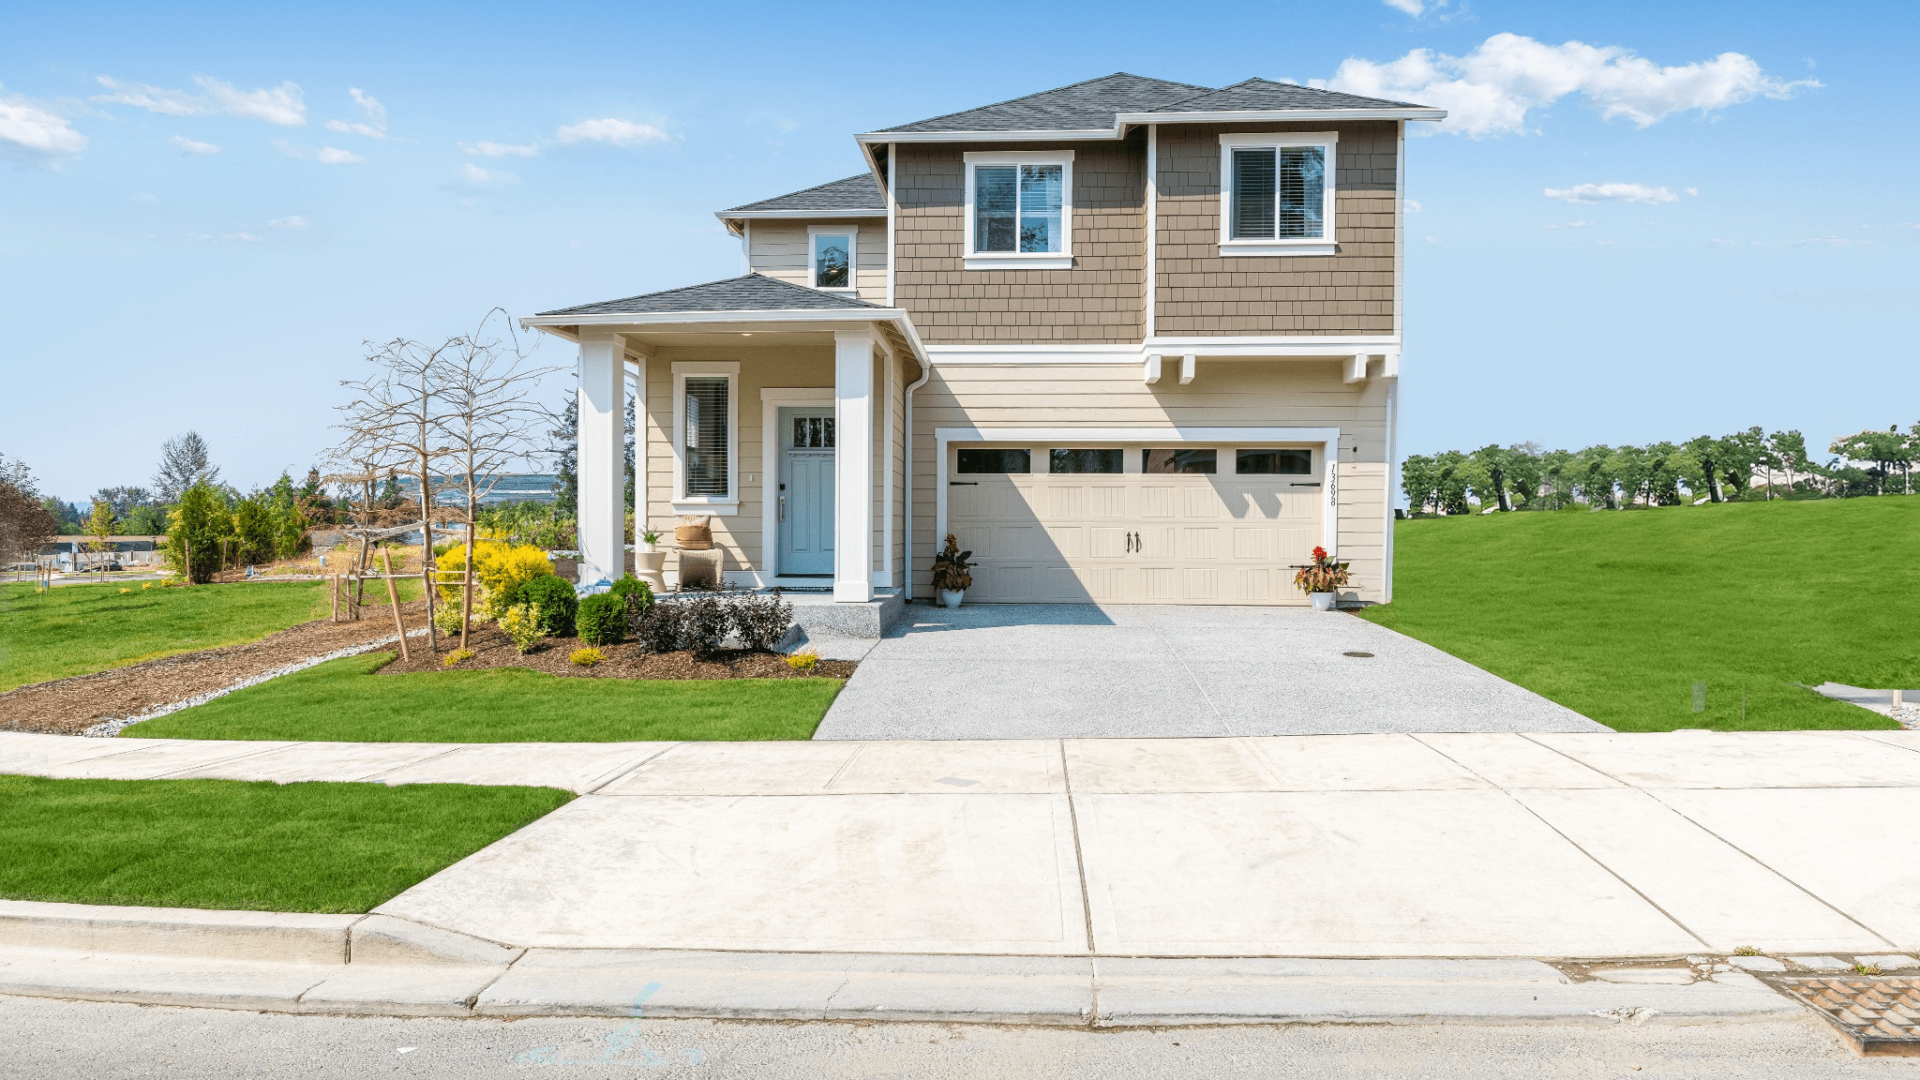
x,y
184,462
459,408
484,421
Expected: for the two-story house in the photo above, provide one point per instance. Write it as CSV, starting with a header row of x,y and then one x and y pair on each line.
x,y
1130,340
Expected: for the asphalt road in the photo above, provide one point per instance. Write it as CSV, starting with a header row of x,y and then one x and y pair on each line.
x,y
51,1040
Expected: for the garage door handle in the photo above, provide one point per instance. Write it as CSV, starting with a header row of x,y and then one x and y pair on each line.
x,y
1316,483
963,483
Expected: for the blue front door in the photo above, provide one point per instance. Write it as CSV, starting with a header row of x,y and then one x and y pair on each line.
x,y
805,498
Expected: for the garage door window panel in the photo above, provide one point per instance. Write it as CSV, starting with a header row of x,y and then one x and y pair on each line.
x,y
1101,460
1202,461
995,462
1273,462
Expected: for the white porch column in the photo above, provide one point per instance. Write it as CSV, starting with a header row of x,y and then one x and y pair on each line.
x,y
853,466
638,384
602,458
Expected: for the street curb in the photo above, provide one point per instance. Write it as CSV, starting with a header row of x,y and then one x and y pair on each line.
x,y
381,965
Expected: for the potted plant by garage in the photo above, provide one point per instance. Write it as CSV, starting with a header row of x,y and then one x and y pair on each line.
x,y
952,573
1322,579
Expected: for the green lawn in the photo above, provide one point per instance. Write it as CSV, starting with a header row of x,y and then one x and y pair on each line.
x,y
76,629
1617,614
239,845
343,701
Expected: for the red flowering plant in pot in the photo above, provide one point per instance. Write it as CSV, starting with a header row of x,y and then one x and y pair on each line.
x,y
1322,579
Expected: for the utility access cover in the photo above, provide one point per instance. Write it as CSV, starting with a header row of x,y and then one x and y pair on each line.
x,y
1881,1015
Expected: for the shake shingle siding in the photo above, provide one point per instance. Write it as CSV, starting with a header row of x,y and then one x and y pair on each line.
x,y
1099,301
1200,293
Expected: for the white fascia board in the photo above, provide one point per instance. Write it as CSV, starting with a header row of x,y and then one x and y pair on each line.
x,y
1241,116
825,215
1076,134
557,324
1143,433
1211,348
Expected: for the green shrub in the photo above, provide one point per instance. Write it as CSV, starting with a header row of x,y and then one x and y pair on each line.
x,y
521,623
556,600
199,522
637,593
602,619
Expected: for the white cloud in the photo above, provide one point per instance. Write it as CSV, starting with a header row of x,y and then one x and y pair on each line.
x,y
291,221
1413,206
30,133
281,105
292,151
231,238
609,130
375,126
617,132
1491,90
474,174
193,146
1568,225
1690,191
494,149
1828,241
1411,7
1592,193
330,155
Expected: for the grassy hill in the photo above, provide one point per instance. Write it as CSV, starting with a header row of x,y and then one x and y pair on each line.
x,y
1617,614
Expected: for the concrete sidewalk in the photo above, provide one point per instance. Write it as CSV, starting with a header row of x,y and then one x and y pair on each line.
x,y
1036,671
984,880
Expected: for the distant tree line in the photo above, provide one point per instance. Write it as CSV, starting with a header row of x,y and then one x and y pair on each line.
x,y
1750,464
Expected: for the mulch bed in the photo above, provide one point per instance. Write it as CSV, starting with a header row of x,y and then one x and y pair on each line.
x,y
70,706
493,649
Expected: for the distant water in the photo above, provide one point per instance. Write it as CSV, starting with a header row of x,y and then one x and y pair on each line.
x,y
511,487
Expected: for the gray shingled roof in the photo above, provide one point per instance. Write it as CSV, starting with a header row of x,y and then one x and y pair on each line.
x,y
858,192
753,292
1261,95
1080,107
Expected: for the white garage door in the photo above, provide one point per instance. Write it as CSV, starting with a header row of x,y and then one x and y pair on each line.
x,y
1135,532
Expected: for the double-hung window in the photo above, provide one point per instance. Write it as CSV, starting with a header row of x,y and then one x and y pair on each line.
x,y
1020,210
831,256
705,443
1277,193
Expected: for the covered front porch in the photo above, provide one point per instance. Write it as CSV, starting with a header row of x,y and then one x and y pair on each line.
x,y
777,412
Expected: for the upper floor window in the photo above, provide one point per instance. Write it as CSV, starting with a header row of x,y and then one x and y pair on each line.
x,y
1277,194
1020,210
831,255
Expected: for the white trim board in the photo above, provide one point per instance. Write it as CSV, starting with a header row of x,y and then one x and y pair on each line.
x,y
1206,348
772,400
1328,439
1123,120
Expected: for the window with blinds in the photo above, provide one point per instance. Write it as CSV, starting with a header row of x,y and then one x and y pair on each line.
x,y
706,436
1019,208
1279,193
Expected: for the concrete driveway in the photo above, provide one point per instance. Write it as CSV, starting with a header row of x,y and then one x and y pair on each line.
x,y
1087,672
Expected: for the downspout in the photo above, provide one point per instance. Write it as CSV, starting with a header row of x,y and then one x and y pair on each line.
x,y
906,554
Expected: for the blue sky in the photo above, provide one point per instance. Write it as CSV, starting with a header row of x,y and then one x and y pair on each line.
x,y
205,209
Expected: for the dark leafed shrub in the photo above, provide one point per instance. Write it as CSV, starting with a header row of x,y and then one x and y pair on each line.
x,y
657,628
557,601
705,621
602,619
760,621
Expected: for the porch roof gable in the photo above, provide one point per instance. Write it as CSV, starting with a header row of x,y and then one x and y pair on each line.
x,y
747,293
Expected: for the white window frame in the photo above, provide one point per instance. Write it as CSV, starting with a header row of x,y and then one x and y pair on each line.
x,y
1023,260
1325,244
710,504
852,233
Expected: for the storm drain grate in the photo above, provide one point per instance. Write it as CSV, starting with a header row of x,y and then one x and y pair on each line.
x,y
1881,1015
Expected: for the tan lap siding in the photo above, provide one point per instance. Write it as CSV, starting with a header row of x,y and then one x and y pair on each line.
x,y
1101,300
779,250
1351,292
1225,394
784,366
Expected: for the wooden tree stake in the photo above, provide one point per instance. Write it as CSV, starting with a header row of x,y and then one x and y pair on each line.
x,y
393,595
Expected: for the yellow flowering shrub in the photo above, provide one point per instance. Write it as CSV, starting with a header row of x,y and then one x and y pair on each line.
x,y
499,571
